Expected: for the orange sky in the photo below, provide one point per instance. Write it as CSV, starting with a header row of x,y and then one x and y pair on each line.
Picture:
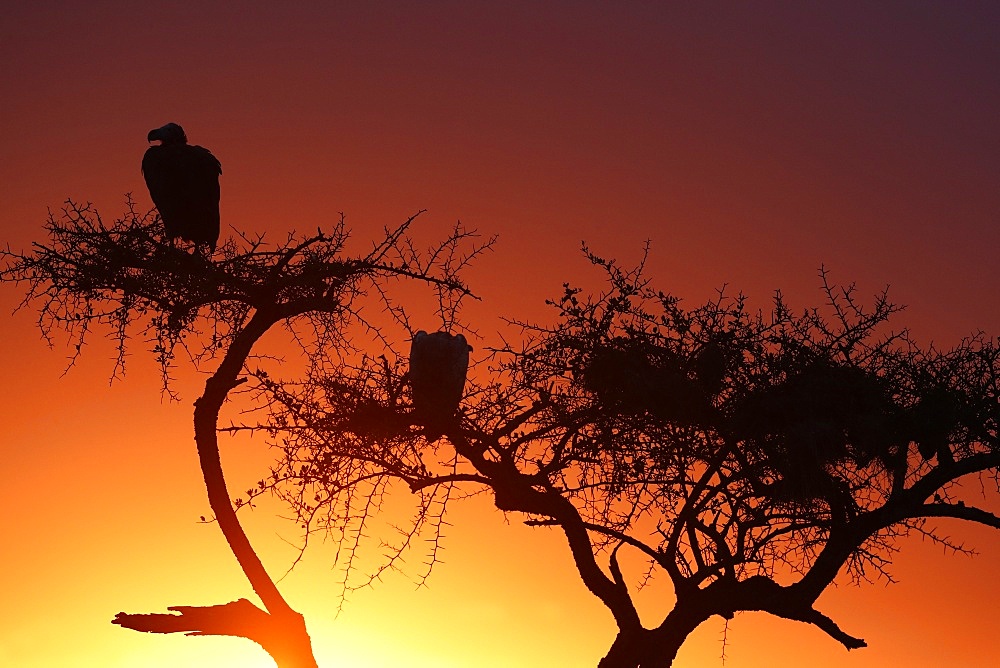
x,y
749,146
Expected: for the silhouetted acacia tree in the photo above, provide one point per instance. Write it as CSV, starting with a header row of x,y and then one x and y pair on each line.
x,y
750,457
124,280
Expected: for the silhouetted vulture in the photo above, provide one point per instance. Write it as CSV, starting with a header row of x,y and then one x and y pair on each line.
x,y
183,181
438,364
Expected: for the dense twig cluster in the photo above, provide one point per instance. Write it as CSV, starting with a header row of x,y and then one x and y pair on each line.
x,y
748,437
126,278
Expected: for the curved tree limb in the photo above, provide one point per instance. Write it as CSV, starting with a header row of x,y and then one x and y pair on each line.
x,y
280,630
960,512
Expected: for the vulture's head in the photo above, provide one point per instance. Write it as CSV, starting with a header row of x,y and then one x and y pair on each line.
x,y
171,133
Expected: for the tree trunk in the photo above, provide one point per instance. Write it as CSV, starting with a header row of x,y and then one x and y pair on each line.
x,y
642,649
281,631
654,648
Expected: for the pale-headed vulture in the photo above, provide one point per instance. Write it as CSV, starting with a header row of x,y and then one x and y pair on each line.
x,y
183,181
438,365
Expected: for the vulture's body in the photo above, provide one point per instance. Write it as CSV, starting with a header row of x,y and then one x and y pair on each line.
x,y
438,365
183,181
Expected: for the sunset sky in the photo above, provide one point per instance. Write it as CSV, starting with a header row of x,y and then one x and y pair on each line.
x,y
749,143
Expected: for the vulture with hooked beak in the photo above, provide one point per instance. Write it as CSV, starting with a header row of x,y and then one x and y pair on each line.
x,y
438,364
183,181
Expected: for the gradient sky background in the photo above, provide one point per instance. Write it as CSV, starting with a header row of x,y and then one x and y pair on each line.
x,y
750,145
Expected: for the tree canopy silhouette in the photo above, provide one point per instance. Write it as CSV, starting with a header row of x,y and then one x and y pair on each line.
x,y
750,457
